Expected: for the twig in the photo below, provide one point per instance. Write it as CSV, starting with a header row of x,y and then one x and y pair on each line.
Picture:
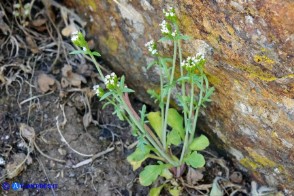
x,y
87,161
47,156
64,140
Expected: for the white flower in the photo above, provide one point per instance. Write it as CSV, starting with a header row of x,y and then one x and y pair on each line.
x,y
113,74
150,43
95,87
154,51
164,28
74,36
200,55
84,49
98,90
173,34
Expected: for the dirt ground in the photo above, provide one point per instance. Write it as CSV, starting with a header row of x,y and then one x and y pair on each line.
x,y
53,129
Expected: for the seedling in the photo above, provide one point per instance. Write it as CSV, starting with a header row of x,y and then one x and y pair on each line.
x,y
159,133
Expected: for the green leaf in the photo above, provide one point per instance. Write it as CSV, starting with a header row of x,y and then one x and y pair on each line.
x,y
128,90
195,160
199,143
105,96
184,37
150,174
175,191
174,138
166,38
166,174
155,121
77,52
153,95
175,120
96,53
151,64
155,191
142,114
137,157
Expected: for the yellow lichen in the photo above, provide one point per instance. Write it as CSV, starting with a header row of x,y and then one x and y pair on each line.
x,y
264,60
259,159
257,72
246,162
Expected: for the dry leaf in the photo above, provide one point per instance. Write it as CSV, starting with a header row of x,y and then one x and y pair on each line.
x,y
45,82
73,78
39,22
32,44
68,30
64,82
14,168
27,132
193,176
87,119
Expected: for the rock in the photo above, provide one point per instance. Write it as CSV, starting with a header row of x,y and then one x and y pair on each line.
x,y
249,51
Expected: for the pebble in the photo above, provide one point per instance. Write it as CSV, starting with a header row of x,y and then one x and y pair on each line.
x,y
2,161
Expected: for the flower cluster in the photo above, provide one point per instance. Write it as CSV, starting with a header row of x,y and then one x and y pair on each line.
x,y
74,36
170,13
79,40
164,27
98,90
191,63
111,81
151,47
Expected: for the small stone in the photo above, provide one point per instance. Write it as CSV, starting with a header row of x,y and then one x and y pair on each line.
x,y
236,177
2,161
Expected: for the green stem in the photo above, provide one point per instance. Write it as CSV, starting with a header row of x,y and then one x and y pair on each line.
x,y
161,103
164,131
197,112
120,99
97,66
188,128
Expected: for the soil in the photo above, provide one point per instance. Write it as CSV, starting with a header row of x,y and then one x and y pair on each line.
x,y
29,52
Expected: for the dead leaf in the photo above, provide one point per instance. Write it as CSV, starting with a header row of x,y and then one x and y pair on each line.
x,y
193,176
27,132
64,82
32,44
45,82
73,78
16,166
87,119
39,22
68,30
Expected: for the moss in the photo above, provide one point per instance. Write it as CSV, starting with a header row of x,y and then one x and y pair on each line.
x,y
89,3
214,80
111,43
187,23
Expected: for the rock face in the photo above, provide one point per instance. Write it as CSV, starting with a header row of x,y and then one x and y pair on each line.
x,y
249,48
